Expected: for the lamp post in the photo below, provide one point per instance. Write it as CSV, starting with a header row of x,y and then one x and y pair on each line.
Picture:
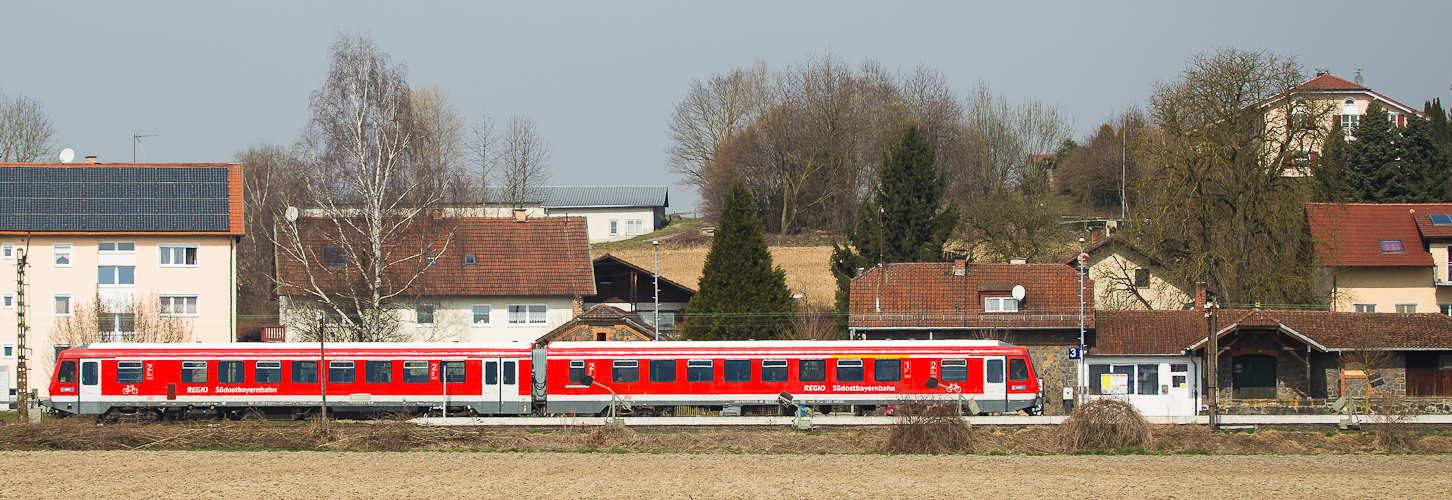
x,y
1083,259
291,215
655,313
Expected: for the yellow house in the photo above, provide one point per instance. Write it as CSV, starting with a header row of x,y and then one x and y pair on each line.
x,y
115,253
1385,257
1126,278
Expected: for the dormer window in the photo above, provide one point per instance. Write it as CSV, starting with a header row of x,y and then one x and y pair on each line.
x,y
1441,219
471,260
1391,246
1000,304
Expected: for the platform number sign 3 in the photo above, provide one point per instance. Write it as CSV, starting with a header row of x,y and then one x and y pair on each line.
x,y
1074,353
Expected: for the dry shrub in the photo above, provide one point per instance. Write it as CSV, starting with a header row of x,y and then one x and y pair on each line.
x,y
1389,418
608,436
922,427
1104,423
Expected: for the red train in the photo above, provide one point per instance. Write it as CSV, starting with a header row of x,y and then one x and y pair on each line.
x,y
283,380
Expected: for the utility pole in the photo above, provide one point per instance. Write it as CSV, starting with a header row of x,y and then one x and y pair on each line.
x,y
22,368
656,314
1079,367
1212,358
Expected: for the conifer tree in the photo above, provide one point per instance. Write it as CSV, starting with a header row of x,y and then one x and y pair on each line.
x,y
1373,170
1425,164
1440,130
1330,168
743,295
908,196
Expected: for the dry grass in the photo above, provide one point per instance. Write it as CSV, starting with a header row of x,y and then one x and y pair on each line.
x,y
1104,423
923,428
806,268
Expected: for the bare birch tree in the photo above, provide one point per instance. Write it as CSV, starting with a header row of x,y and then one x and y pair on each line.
x,y
711,113
523,161
371,235
483,144
25,130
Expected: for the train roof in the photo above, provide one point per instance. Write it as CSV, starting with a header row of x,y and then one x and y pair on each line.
x,y
301,348
782,347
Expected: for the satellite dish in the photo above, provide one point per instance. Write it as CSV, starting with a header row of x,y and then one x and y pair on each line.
x,y
1018,292
290,214
67,155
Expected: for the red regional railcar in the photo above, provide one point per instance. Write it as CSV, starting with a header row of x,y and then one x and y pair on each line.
x,y
168,380
998,377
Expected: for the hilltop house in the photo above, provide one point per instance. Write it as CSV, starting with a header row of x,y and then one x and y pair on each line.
x,y
116,253
612,213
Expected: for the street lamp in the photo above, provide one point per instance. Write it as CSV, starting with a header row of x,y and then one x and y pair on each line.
x,y
656,312
1083,259
291,215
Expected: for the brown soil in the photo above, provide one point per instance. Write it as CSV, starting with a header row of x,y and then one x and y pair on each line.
x,y
201,474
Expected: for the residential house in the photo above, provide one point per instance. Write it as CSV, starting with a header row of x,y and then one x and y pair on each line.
x,y
1384,257
1329,99
1127,278
474,279
1033,305
631,288
600,324
116,252
612,213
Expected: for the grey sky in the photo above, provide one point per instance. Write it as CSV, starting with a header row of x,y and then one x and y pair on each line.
x,y
599,78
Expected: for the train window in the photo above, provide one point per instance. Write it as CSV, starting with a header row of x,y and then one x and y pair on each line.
x,y
378,372
90,373
67,372
625,370
700,370
577,371
812,370
340,372
491,373
509,370
194,372
662,370
231,372
737,370
304,372
128,372
886,370
1018,370
415,372
956,370
267,372
455,372
992,371
773,370
849,370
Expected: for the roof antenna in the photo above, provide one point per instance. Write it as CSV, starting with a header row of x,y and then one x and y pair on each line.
x,y
136,139
1358,76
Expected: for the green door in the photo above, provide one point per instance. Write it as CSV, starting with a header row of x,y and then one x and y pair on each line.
x,y
1254,376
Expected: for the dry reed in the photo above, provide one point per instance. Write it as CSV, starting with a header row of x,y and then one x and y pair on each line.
x,y
1104,423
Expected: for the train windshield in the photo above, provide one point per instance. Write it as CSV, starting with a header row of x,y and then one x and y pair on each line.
x,y
1018,370
67,372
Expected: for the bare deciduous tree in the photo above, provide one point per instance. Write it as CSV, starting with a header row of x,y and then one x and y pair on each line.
x,y
25,130
711,113
373,233
268,171
523,163
439,148
133,319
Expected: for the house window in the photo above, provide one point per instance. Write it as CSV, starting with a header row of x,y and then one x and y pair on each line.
x,y
526,314
1406,308
1000,304
8,301
62,304
614,227
1349,123
178,305
1364,308
423,314
177,255
1391,246
333,257
7,251
1444,308
9,351
62,254
1125,379
116,246
116,275
116,327
1141,278
431,260
481,315
470,260
634,227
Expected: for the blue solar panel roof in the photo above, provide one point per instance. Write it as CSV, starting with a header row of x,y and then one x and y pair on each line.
x,y
114,199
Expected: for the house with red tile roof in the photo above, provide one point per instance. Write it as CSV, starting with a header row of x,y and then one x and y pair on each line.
x,y
1385,257
973,300
1126,277
1322,101
633,289
117,252
472,279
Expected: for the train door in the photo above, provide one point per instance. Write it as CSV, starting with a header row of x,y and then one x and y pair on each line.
x,y
90,381
995,387
495,389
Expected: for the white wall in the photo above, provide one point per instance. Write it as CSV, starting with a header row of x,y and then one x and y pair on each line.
x,y
1170,400
597,220
453,319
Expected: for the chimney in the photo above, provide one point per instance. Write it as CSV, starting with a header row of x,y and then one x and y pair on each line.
x,y
960,267
519,215
1199,296
90,159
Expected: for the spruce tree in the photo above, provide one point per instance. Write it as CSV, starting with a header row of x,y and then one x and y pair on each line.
x,y
1425,164
1330,168
908,195
742,294
1373,170
1440,130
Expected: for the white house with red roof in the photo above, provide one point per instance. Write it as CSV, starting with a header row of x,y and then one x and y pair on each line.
x,y
1385,257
